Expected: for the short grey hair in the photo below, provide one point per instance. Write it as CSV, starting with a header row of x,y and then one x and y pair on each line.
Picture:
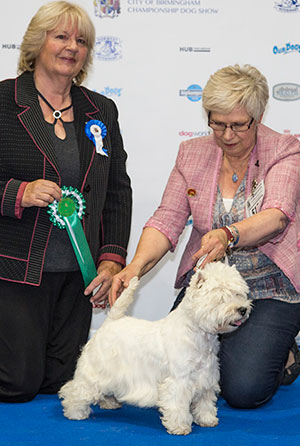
x,y
234,86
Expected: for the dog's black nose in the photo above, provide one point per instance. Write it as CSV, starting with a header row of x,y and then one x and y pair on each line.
x,y
242,311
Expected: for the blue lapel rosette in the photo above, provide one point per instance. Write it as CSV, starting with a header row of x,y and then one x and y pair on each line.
x,y
96,131
66,214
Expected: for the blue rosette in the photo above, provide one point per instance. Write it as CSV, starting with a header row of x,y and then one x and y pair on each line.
x,y
96,132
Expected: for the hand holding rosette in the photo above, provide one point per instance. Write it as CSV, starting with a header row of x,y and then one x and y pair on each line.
x,y
66,214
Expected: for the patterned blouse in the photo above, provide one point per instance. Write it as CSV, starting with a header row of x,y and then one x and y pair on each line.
x,y
264,278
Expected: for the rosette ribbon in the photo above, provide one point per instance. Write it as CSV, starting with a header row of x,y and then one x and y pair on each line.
x,y
67,214
96,131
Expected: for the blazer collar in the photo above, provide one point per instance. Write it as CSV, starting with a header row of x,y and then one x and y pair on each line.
x,y
27,95
85,110
32,119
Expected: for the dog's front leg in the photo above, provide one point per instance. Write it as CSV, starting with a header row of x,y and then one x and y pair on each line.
x,y
174,401
76,399
204,408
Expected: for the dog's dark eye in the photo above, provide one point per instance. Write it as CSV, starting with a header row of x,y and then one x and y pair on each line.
x,y
242,311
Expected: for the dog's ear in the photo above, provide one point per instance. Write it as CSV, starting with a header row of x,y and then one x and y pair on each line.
x,y
197,279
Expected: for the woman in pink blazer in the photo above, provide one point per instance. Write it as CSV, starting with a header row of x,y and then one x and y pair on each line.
x,y
241,185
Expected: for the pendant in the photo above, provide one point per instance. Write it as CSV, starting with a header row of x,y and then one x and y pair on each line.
x,y
56,114
234,177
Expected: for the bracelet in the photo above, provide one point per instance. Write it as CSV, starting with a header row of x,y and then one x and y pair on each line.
x,y
233,235
236,234
229,234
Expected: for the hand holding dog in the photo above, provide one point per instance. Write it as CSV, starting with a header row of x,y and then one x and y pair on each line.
x,y
105,272
121,281
214,243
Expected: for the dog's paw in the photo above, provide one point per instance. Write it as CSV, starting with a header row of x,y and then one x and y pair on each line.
x,y
109,403
207,421
77,414
177,427
180,430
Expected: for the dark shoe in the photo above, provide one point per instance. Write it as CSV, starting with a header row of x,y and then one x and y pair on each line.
x,y
291,373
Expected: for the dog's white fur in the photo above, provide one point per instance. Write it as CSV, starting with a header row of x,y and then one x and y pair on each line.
x,y
171,363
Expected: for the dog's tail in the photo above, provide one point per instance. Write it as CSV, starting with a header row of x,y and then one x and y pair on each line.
x,y
124,301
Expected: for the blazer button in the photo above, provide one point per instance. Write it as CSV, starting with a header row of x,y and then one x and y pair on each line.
x,y
87,188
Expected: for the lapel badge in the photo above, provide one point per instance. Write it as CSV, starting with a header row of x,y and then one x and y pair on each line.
x,y
191,192
254,186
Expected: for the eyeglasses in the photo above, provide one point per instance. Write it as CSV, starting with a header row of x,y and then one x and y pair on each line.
x,y
236,128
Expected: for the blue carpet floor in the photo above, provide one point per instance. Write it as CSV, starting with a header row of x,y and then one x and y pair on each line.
x,y
42,423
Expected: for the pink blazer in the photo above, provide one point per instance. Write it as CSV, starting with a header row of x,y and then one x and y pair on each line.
x,y
275,158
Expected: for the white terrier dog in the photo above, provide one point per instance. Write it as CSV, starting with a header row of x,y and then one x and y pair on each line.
x,y
171,363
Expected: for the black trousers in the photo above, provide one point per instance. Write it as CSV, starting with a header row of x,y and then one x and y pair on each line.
x,y
42,330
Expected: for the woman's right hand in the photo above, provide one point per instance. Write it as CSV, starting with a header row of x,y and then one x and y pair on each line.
x,y
213,244
120,282
40,193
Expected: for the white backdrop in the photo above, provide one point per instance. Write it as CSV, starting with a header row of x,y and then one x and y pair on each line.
x,y
153,57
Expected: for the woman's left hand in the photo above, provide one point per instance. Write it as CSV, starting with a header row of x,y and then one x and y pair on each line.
x,y
105,272
214,243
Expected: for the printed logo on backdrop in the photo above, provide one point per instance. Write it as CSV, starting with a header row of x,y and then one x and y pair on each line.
x,y
193,93
107,8
108,48
111,92
287,6
194,134
194,49
286,48
171,7
286,92
10,46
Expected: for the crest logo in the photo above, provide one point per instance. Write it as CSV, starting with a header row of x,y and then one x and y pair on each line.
x,y
108,48
286,92
107,8
287,6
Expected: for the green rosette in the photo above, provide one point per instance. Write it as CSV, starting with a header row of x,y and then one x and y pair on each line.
x,y
66,214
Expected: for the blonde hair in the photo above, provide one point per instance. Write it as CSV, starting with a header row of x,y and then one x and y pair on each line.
x,y
47,18
234,86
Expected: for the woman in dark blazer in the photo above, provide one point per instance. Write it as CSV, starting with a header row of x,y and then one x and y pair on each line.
x,y
45,309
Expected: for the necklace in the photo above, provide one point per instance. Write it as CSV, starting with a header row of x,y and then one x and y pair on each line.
x,y
56,113
234,177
